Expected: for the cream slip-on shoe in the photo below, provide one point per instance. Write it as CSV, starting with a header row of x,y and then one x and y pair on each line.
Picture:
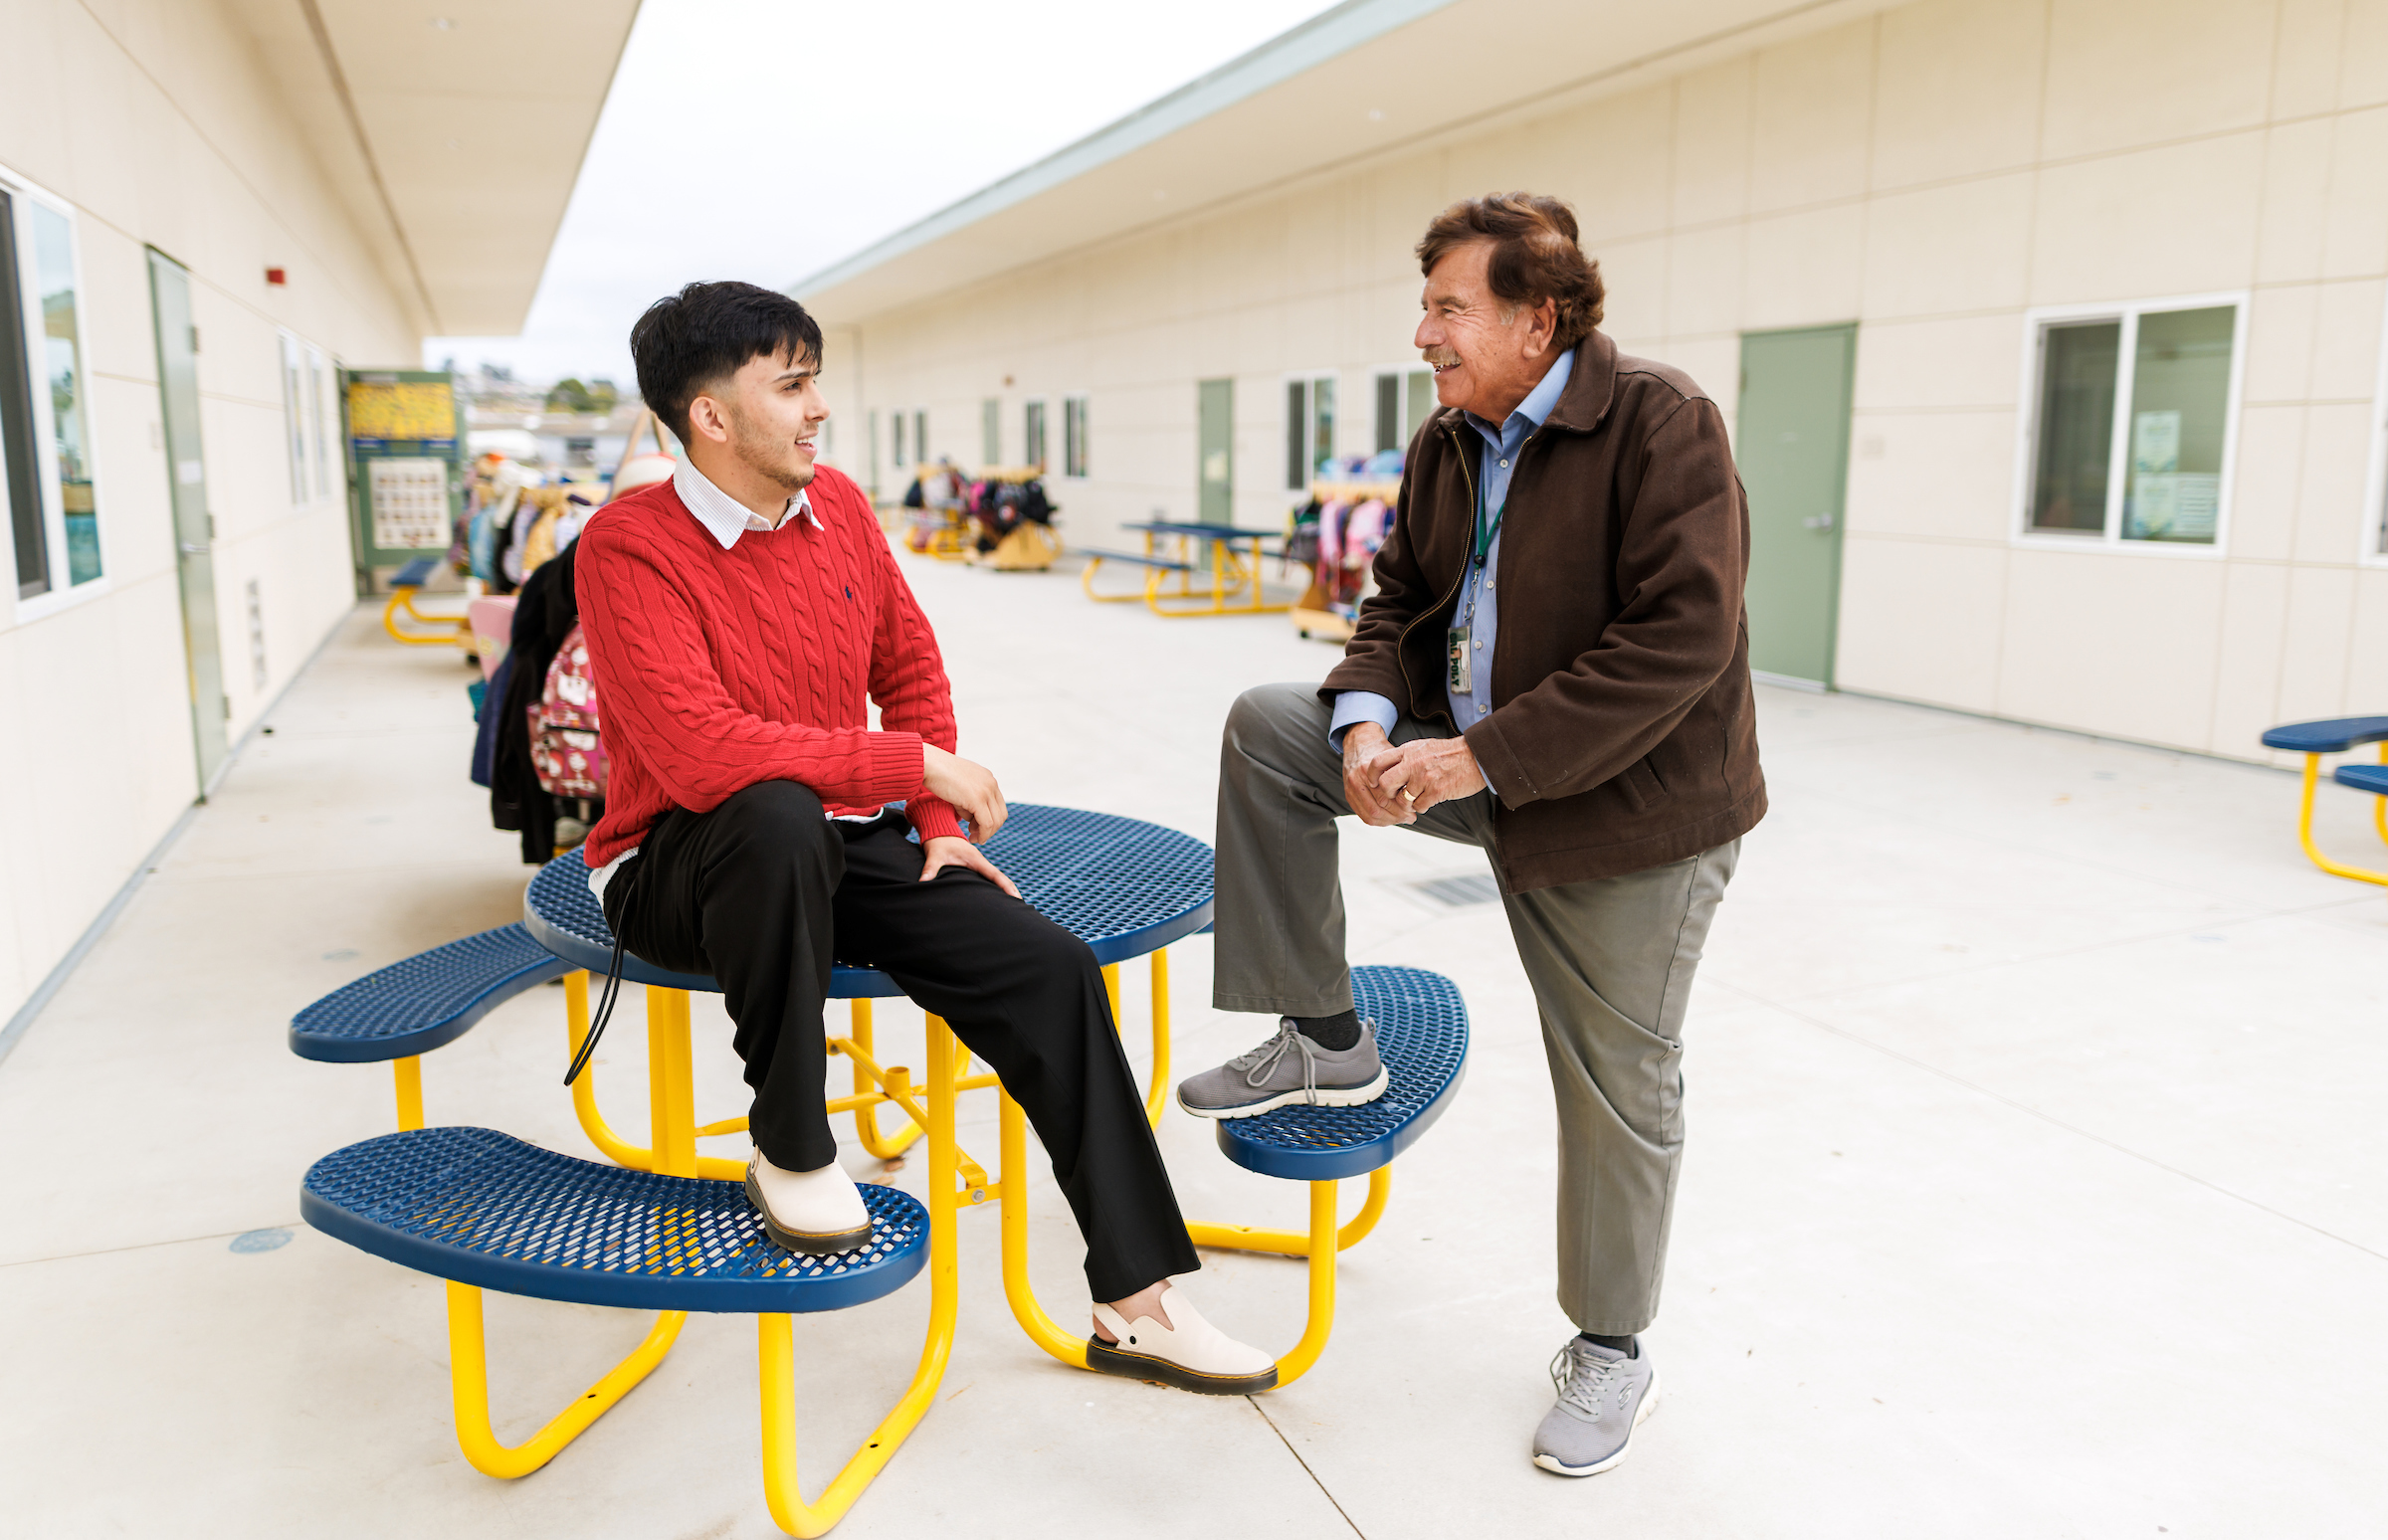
x,y
814,1211
1192,1355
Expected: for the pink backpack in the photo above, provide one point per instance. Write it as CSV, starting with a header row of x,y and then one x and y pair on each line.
x,y
564,746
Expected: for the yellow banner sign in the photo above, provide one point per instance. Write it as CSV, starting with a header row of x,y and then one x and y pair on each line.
x,y
423,409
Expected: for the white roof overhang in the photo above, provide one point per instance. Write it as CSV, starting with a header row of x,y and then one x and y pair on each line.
x,y
1363,80
453,132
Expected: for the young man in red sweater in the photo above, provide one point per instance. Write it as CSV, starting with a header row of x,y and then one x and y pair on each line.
x,y
740,616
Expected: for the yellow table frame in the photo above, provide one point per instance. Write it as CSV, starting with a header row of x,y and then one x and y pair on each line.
x,y
458,631
1232,572
2304,824
953,1178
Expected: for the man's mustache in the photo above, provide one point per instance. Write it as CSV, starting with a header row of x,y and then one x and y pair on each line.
x,y
1440,358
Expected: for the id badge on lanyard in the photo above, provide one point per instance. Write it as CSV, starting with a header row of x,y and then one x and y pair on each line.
x,y
1459,674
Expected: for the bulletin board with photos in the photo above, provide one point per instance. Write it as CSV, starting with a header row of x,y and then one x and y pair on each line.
x,y
406,441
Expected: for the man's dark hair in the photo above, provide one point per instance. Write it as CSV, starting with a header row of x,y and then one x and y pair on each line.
x,y
1535,256
706,334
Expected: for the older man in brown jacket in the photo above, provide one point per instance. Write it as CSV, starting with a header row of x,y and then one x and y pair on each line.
x,y
1555,668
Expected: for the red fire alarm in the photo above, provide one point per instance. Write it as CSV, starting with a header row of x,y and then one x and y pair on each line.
x,y
275,277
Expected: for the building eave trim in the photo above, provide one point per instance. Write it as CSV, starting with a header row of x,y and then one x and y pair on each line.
x,y
1323,37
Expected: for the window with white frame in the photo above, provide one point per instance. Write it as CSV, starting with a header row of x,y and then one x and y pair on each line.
x,y
2132,422
990,432
296,436
45,406
1073,437
920,437
1309,427
322,414
1031,434
902,461
1403,398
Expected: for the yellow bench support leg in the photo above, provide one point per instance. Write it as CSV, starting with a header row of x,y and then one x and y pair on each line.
x,y
408,1072
584,1091
1156,1098
1320,1246
1290,1242
774,1339
2304,824
1156,1094
866,1118
1017,1290
469,1378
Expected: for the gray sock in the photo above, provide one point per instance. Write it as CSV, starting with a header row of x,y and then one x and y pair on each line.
x,y
1626,1344
1331,1033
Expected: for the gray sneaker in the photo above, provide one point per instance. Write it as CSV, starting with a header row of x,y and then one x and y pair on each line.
x,y
1287,1070
1603,1397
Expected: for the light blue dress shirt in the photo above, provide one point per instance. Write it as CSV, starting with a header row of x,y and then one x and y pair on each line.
x,y
1479,598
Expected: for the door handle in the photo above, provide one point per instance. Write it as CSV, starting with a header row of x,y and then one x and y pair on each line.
x,y
1820,521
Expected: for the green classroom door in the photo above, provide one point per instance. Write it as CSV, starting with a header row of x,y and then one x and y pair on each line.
x,y
1792,446
1215,453
194,526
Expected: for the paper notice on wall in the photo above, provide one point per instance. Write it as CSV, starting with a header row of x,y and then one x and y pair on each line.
x,y
2173,506
2196,503
2156,442
410,504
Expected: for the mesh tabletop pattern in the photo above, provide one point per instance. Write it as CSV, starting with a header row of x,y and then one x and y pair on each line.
x,y
1422,1032
430,999
483,1208
1123,885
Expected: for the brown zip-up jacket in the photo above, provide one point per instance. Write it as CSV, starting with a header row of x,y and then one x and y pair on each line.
x,y
1622,734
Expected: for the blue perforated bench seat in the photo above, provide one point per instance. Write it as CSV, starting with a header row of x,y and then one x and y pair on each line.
x,y
431,999
2332,735
483,1208
415,573
2363,778
1422,1032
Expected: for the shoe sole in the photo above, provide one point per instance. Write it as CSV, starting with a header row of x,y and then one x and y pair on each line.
x,y
1650,1403
1328,1097
810,1244
1109,1359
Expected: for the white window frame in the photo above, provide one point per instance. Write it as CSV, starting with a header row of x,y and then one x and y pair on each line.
x,y
2373,536
1075,433
62,595
2108,540
297,440
1309,380
1403,371
324,420
1040,452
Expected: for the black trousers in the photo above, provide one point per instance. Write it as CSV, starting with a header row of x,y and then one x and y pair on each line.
x,y
763,891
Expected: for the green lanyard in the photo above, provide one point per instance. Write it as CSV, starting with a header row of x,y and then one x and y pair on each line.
x,y
1483,536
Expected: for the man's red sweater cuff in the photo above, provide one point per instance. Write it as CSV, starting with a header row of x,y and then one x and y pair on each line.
x,y
934,817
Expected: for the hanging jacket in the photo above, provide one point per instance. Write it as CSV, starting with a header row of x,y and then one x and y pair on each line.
x,y
546,615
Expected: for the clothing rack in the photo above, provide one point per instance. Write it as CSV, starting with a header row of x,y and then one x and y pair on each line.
x,y
1328,625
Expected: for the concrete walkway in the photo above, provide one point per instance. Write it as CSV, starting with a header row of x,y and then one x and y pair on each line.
x,y
2036,1183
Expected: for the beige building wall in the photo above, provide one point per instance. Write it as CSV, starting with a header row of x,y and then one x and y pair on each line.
x,y
154,119
1932,173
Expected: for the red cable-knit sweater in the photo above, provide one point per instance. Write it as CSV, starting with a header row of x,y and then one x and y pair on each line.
x,y
720,669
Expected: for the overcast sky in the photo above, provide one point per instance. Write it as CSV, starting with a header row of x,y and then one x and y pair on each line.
x,y
764,140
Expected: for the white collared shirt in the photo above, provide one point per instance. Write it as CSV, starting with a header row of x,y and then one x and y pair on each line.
x,y
724,517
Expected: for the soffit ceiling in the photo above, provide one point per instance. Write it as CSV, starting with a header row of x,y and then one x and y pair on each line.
x,y
453,132
1362,81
